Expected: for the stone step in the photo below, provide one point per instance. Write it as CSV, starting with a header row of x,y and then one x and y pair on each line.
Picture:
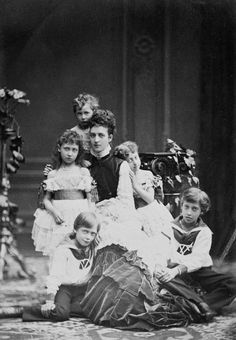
x,y
24,188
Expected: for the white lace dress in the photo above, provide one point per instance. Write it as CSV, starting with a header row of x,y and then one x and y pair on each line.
x,y
154,217
46,233
122,224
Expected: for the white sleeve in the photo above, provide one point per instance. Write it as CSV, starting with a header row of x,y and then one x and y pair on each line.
x,y
57,270
200,256
52,173
125,189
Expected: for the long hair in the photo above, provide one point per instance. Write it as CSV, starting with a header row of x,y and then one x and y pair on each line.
x,y
124,150
68,137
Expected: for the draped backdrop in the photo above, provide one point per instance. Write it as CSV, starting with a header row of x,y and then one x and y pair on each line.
x,y
217,119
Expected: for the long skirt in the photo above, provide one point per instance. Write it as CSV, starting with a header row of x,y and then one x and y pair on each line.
x,y
122,294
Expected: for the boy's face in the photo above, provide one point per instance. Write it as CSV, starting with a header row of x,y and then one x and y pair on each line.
x,y
69,152
84,114
134,161
190,212
99,139
85,236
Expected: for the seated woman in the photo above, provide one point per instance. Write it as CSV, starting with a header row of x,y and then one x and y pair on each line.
x,y
120,223
123,291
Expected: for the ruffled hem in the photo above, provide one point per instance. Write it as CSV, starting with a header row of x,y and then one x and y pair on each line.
x,y
46,233
45,240
41,238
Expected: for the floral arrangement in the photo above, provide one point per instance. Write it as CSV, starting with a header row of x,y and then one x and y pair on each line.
x,y
14,94
185,164
9,129
9,99
182,167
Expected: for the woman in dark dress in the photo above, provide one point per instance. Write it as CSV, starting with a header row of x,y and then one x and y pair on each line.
x,y
122,292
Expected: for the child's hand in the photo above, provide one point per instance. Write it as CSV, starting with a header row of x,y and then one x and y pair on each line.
x,y
47,308
58,217
47,169
166,274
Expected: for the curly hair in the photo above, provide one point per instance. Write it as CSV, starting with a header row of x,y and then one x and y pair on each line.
x,y
124,149
104,118
196,195
84,98
68,137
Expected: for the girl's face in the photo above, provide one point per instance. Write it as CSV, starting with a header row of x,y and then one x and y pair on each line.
x,y
134,161
190,212
85,236
69,153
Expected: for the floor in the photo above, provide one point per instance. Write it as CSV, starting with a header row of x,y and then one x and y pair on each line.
x,y
25,292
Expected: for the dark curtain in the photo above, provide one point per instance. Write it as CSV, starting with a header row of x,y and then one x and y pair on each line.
x,y
217,119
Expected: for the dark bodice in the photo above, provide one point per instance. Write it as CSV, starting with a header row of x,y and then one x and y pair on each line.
x,y
105,172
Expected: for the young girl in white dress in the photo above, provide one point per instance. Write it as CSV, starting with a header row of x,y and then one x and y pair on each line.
x,y
153,215
67,193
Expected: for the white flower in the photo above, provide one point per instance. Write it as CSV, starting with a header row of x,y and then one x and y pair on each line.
x,y
2,93
16,94
178,178
24,101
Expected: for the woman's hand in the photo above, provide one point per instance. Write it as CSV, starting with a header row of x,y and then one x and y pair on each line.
x,y
133,178
47,308
47,169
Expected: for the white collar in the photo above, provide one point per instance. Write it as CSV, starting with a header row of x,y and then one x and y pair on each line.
x,y
103,153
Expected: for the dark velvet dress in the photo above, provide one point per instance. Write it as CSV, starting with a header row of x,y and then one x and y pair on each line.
x,y
122,294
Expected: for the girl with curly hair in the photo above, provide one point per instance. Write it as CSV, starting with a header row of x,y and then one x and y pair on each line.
x,y
67,193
